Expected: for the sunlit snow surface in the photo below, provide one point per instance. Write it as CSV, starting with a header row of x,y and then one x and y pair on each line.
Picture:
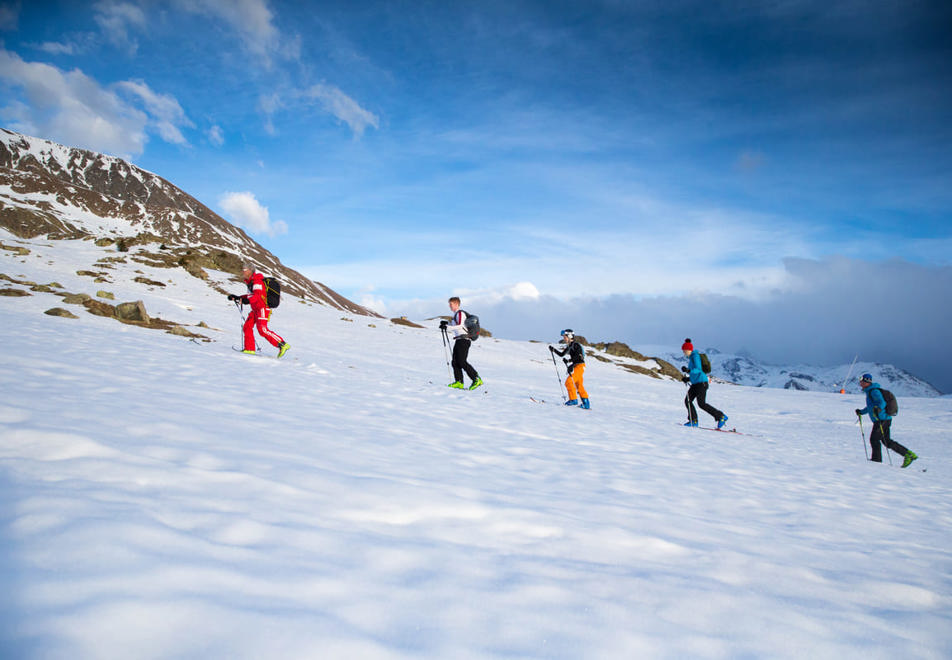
x,y
163,498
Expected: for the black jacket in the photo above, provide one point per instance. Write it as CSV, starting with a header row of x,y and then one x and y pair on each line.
x,y
576,354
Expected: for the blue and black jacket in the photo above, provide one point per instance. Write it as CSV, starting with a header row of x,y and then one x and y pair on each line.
x,y
875,399
695,372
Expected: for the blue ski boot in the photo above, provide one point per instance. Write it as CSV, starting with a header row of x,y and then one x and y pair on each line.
x,y
572,402
690,423
585,404
721,422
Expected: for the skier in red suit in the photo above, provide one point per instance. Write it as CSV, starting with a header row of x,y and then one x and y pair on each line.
x,y
257,297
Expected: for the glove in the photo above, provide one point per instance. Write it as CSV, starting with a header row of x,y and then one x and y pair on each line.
x,y
684,369
551,349
443,324
877,410
566,361
859,413
232,297
685,380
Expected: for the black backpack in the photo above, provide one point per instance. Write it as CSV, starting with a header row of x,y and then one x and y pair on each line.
x,y
471,325
705,363
892,406
272,288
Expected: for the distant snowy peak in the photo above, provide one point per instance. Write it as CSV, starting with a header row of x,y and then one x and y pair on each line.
x,y
48,189
747,371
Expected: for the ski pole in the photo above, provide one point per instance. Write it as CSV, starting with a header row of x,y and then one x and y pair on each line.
x,y
558,376
883,443
241,330
862,435
446,352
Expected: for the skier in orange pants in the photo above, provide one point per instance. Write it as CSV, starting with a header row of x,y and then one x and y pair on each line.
x,y
574,382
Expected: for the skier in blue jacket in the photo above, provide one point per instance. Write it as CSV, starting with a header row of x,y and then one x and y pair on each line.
x,y
876,409
698,381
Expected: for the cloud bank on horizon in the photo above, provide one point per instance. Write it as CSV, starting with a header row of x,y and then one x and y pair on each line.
x,y
605,161
822,313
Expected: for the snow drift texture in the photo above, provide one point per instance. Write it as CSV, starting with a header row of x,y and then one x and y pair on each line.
x,y
165,497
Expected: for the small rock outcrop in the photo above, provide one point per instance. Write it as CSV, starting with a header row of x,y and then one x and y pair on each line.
x,y
132,311
59,311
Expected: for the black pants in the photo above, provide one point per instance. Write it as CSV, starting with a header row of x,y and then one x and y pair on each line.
x,y
460,353
879,435
699,391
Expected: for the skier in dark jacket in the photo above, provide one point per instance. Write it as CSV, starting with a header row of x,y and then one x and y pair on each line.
x,y
876,408
698,381
574,382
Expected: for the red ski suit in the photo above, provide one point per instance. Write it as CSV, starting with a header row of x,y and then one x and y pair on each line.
x,y
260,313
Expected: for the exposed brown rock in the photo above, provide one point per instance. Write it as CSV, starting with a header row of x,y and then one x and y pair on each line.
x,y
99,308
668,369
59,311
620,349
14,293
132,311
147,281
75,298
403,320
641,370
17,250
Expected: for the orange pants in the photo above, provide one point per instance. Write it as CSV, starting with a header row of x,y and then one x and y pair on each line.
x,y
574,383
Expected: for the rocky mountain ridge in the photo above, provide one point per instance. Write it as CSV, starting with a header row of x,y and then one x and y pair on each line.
x,y
746,370
48,189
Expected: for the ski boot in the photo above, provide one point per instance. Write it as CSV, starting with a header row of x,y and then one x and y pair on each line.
x,y
908,458
572,402
457,385
283,348
247,352
690,423
721,422
585,404
476,383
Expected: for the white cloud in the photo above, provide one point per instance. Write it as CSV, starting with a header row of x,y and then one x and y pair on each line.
x,y
216,136
252,20
270,104
57,48
346,109
372,302
521,291
165,112
245,211
117,19
75,109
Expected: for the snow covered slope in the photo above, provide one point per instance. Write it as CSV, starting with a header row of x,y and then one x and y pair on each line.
x,y
164,497
744,370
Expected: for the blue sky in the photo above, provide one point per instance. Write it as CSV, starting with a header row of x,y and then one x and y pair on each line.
x,y
555,163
